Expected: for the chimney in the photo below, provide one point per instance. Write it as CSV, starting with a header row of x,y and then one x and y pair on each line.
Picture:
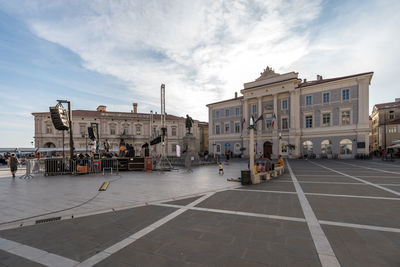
x,y
319,77
235,94
135,108
101,108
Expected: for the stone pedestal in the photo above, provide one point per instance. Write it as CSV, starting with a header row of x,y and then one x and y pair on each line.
x,y
189,144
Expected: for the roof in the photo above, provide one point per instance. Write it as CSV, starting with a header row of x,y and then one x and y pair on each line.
x,y
397,121
388,105
310,83
95,113
227,100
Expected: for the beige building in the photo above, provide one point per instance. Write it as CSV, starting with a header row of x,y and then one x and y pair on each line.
x,y
385,124
135,128
322,118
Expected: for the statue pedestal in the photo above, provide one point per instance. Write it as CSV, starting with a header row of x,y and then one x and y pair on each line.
x,y
189,143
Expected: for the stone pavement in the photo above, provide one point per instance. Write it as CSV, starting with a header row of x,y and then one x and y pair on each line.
x,y
319,213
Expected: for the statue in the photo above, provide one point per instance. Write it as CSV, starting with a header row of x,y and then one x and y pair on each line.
x,y
189,123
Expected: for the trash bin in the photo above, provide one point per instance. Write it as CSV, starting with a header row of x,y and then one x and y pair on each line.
x,y
246,179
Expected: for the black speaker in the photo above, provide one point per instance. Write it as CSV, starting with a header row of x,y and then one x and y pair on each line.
x,y
146,152
59,117
91,133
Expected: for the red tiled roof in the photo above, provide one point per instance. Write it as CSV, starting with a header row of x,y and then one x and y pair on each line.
x,y
309,83
388,105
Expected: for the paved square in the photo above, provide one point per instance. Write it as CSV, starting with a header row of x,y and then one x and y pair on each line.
x,y
318,213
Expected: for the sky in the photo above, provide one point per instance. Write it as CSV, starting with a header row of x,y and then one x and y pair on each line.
x,y
115,53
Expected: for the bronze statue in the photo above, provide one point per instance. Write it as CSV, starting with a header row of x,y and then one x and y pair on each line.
x,y
189,123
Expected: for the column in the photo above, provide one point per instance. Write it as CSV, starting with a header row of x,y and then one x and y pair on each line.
x,y
259,125
276,111
245,113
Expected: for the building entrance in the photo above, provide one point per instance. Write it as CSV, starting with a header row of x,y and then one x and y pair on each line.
x,y
267,149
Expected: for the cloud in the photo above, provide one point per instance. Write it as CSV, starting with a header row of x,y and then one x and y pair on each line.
x,y
202,50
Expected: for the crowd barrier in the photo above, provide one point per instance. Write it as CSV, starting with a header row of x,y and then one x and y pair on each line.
x,y
60,166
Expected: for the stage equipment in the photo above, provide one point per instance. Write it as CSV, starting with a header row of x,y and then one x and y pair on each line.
x,y
59,117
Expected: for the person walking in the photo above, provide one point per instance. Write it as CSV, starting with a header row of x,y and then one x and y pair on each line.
x,y
220,169
13,164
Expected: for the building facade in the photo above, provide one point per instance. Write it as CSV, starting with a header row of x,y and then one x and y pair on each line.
x,y
385,124
135,128
322,118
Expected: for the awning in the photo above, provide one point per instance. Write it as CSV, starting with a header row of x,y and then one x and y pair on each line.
x,y
394,146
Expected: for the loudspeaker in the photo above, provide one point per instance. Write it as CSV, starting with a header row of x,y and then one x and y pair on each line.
x,y
59,117
91,133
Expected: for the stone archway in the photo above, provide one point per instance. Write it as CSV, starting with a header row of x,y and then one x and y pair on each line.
x,y
267,149
49,145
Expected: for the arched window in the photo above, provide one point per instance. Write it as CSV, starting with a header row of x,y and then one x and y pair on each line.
x,y
307,147
346,147
326,147
237,148
284,147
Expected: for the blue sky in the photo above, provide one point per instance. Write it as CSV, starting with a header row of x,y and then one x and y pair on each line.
x,y
119,52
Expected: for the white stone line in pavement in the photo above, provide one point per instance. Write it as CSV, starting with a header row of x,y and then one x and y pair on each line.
x,y
242,213
285,218
34,254
264,191
129,240
318,194
325,252
358,179
316,182
361,226
375,169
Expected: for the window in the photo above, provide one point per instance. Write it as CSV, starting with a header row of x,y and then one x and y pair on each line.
x,y
269,124
217,114
173,131
307,147
237,127
326,147
112,129
226,128
155,132
345,147
218,149
49,128
308,100
326,119
391,115
173,148
125,130
284,147
309,121
82,129
138,129
237,111
326,98
345,117
284,104
217,129
285,123
346,94
254,109
237,148
227,113
392,129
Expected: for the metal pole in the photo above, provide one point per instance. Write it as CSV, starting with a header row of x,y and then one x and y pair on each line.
x,y
71,139
63,144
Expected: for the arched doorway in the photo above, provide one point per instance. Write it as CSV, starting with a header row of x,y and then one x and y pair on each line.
x,y
267,149
49,145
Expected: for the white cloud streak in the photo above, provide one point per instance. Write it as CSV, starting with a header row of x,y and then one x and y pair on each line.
x,y
202,50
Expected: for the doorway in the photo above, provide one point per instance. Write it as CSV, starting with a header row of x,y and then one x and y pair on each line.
x,y
267,149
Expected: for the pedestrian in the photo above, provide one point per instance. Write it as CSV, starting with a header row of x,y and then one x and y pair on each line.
x,y
220,168
13,164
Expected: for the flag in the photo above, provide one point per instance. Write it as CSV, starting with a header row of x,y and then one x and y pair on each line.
x,y
273,119
243,121
259,118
